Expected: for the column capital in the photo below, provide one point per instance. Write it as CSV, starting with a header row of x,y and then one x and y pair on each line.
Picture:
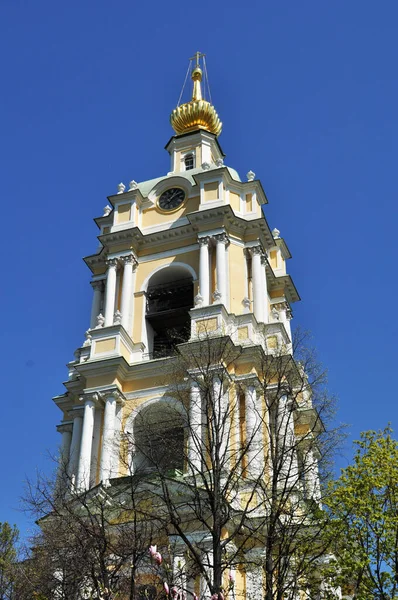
x,y
97,285
129,259
65,427
221,238
90,397
250,382
112,394
111,263
256,250
204,240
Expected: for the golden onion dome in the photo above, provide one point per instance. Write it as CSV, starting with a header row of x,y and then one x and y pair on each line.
x,y
196,114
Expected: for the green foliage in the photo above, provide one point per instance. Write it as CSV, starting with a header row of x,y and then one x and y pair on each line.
x,y
8,556
363,504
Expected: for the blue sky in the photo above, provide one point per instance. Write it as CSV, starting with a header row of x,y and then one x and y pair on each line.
x,y
308,94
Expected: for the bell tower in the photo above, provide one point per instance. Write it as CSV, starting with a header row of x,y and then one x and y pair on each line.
x,y
188,265
184,255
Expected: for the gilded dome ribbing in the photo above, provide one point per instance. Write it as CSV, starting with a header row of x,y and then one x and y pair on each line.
x,y
196,114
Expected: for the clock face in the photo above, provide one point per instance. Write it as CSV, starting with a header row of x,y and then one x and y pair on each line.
x,y
171,198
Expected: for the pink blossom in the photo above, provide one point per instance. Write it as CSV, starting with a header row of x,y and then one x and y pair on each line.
x,y
232,576
166,587
195,597
174,591
152,550
157,558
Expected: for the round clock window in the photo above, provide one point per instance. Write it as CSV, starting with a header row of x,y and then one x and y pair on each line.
x,y
171,199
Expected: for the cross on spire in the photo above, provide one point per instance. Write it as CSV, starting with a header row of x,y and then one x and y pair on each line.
x,y
196,57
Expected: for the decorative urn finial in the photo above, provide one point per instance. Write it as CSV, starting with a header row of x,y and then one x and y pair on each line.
x,y
198,113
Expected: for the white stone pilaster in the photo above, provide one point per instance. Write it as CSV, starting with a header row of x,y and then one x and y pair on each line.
x,y
254,433
258,281
221,266
204,271
108,434
264,264
129,264
98,287
195,429
83,473
110,295
75,447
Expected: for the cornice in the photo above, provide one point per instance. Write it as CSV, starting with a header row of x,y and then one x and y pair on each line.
x,y
220,216
232,223
286,282
240,185
280,242
130,195
201,132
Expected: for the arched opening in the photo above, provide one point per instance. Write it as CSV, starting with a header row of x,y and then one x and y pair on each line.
x,y
158,438
169,298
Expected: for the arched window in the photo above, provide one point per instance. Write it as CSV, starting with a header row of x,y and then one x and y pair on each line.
x,y
169,298
158,438
189,161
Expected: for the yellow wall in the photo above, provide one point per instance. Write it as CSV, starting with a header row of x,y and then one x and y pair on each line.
x,y
190,258
273,259
123,213
237,276
211,191
153,216
234,200
139,307
107,345
101,380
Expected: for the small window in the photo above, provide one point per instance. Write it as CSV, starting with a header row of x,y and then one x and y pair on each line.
x,y
189,162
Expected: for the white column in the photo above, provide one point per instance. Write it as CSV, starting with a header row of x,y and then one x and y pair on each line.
x,y
83,474
95,450
221,266
110,295
96,305
264,263
222,419
311,473
207,561
257,278
64,451
254,433
195,429
108,435
129,263
75,448
287,464
254,574
204,272
179,573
